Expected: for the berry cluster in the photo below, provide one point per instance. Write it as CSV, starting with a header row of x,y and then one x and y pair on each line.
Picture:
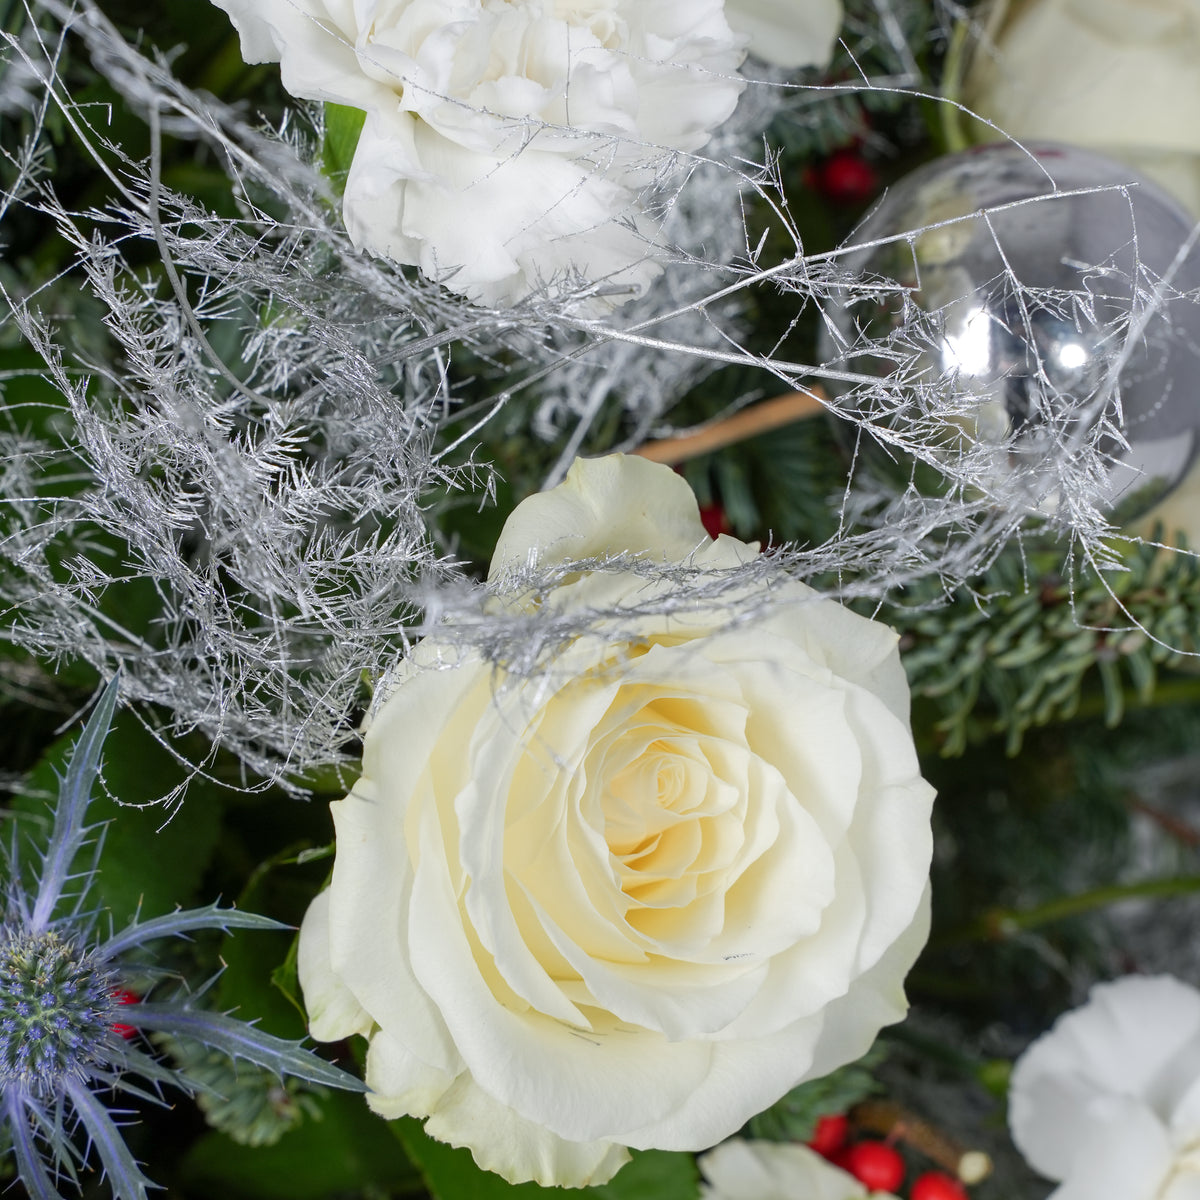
x,y
877,1164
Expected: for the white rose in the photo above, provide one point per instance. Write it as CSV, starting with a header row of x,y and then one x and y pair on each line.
x,y
1118,76
788,33
1108,1102
505,143
636,899
739,1170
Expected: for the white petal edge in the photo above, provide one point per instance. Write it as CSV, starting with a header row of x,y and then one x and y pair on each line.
x,y
502,1141
621,503
333,1012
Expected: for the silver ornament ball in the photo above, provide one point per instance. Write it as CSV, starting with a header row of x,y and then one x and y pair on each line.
x,y
1031,300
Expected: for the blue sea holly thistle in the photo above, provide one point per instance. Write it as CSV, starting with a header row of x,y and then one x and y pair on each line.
x,y
62,993
56,1004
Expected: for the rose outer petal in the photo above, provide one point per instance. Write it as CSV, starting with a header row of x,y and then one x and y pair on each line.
x,y
605,506
502,1141
333,1011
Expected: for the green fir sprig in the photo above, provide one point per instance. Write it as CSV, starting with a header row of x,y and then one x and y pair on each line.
x,y
1033,641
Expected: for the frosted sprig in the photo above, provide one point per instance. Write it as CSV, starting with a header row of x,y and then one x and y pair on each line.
x,y
258,434
63,1055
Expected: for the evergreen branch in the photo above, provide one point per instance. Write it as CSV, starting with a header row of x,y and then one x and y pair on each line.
x,y
1022,647
248,1103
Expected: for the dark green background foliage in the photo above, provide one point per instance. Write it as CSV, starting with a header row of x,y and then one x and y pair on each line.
x,y
1040,709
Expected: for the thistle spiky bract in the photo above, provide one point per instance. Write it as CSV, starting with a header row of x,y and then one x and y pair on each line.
x,y
60,1005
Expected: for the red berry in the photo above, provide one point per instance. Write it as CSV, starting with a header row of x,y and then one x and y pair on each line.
x,y
125,996
934,1185
712,517
875,1165
829,1136
847,178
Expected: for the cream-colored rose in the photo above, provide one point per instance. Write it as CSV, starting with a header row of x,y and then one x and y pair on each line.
x,y
1118,76
635,899
1108,1102
739,1170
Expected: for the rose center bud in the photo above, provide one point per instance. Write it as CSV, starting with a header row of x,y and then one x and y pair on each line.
x,y
663,816
694,829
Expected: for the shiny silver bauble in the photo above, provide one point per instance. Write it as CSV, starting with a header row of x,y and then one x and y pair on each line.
x,y
997,291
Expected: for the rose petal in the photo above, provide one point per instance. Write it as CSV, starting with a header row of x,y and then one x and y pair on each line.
x,y
605,506
569,1079
743,1078
874,1000
401,1083
333,1012
519,1150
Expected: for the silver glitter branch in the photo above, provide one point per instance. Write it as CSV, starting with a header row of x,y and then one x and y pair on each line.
x,y
253,426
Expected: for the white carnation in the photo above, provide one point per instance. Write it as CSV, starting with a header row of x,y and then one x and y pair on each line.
x,y
506,145
1108,1102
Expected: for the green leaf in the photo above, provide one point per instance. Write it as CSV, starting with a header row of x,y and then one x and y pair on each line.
x,y
285,979
451,1173
652,1175
343,125
251,963
348,1151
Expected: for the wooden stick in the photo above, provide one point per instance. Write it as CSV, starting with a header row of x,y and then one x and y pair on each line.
x,y
748,423
897,1124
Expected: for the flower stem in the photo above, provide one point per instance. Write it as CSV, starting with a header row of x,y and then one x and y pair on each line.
x,y
898,1124
999,924
748,423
